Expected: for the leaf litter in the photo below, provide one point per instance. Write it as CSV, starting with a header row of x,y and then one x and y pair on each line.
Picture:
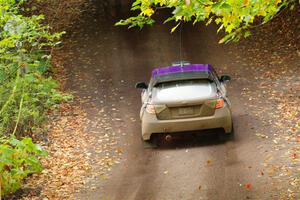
x,y
272,67
76,156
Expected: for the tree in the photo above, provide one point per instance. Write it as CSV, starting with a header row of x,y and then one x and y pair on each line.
x,y
234,17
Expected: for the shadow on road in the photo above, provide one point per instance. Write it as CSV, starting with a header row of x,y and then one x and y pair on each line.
x,y
192,139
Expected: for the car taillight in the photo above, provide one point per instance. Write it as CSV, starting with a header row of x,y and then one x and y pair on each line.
x,y
150,109
219,103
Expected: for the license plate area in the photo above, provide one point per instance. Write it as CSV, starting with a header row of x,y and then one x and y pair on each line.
x,y
186,111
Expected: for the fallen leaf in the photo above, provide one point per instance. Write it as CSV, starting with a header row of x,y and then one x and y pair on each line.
x,y
248,186
208,162
261,135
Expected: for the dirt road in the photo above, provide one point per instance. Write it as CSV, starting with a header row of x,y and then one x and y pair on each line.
x,y
109,60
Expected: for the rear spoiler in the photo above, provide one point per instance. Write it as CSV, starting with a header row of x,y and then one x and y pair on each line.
x,y
183,76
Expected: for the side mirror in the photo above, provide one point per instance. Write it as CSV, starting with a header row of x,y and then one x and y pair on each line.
x,y
225,78
141,85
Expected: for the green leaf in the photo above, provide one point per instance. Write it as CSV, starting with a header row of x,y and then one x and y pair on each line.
x,y
230,15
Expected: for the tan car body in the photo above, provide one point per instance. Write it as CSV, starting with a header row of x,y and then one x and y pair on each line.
x,y
183,105
220,119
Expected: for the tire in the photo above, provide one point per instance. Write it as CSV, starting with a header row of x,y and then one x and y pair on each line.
x,y
150,144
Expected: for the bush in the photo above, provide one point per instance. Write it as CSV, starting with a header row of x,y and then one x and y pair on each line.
x,y
27,91
18,159
26,98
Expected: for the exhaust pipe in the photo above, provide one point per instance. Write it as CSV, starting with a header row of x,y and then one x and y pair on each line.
x,y
168,137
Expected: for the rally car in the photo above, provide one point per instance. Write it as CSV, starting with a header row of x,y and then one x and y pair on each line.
x,y
183,98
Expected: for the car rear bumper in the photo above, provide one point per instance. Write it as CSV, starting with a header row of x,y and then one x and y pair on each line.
x,y
151,125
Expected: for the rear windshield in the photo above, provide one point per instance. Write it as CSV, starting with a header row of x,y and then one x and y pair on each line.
x,y
180,83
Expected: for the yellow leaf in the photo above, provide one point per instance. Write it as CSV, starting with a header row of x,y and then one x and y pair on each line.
x,y
207,9
148,12
174,28
246,3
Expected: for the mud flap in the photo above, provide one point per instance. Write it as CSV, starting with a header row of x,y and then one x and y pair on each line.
x,y
150,144
224,137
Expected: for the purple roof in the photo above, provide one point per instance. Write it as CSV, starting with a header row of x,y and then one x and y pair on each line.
x,y
178,69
